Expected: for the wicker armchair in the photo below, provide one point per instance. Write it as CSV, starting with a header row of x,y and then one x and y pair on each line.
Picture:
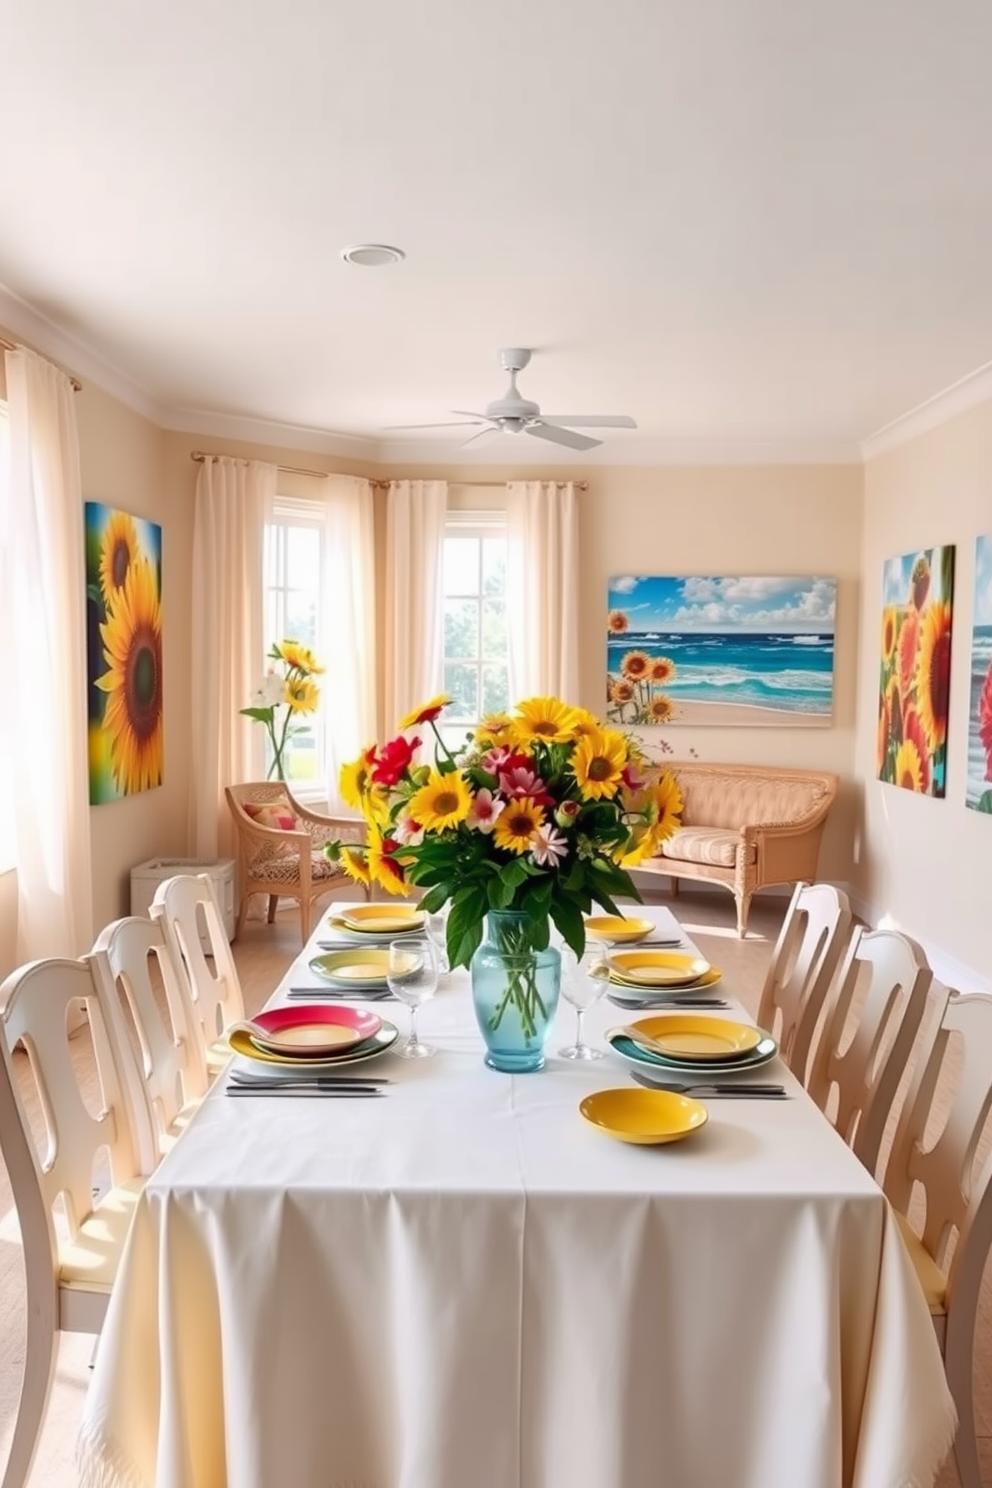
x,y
285,862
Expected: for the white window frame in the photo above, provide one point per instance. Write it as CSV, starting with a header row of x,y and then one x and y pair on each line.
x,y
288,512
479,524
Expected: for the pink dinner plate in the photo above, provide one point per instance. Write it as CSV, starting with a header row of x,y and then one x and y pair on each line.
x,y
313,1032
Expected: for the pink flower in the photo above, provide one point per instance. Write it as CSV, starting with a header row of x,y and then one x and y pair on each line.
x,y
483,812
548,847
521,781
985,721
408,831
494,759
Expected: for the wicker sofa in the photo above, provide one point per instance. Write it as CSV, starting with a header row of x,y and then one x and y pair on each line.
x,y
745,826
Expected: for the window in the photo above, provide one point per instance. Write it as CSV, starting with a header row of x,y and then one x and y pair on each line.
x,y
293,566
476,648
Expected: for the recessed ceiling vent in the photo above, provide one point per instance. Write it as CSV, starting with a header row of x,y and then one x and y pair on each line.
x,y
372,255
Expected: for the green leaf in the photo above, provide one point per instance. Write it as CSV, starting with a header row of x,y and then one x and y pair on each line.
x,y
465,924
263,715
568,917
985,802
435,898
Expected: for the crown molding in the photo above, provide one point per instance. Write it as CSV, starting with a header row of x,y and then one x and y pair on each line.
x,y
966,393
621,448
23,322
269,432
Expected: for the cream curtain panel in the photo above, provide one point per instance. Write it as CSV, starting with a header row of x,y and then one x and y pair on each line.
x,y
348,646
412,649
43,649
543,589
233,499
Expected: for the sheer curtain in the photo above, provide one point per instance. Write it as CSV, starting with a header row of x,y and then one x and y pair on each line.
x,y
348,645
233,499
543,589
43,646
413,651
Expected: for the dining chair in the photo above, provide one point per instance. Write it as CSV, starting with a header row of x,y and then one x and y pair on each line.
x,y
135,968
883,984
187,908
280,849
814,934
951,1088
70,1261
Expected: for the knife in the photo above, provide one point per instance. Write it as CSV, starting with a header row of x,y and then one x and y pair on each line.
x,y
310,1088
711,1090
667,1002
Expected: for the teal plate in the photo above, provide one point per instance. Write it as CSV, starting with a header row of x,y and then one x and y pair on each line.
x,y
634,1054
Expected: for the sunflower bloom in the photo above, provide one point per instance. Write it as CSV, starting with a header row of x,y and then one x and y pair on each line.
x,y
890,633
660,710
661,670
933,673
442,803
909,767
426,713
132,649
915,736
598,763
985,721
385,867
494,731
585,723
119,548
517,824
302,695
621,691
669,805
545,720
908,644
636,666
355,778
355,866
617,622
296,655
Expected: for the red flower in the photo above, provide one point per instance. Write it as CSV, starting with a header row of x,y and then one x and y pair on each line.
x,y
393,760
985,721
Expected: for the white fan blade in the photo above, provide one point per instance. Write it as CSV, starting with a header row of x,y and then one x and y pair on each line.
x,y
591,420
394,428
558,435
479,417
492,431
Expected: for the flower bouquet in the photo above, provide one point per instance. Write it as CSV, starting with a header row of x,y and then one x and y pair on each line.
x,y
536,818
292,688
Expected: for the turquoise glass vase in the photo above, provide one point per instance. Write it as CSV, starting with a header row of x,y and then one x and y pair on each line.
x,y
515,991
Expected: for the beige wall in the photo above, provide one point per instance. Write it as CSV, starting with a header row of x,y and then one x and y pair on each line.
x,y
925,862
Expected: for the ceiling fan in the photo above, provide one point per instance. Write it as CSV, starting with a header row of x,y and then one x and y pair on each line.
x,y
513,414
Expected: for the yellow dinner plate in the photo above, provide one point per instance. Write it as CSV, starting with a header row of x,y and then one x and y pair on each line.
x,y
358,968
614,929
382,919
657,968
242,1043
695,984
647,1117
695,1036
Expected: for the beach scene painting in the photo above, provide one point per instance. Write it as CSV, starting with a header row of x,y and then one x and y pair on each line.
x,y
979,786
720,650
915,677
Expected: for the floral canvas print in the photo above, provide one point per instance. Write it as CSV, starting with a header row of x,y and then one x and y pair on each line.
x,y
124,652
720,650
917,595
979,787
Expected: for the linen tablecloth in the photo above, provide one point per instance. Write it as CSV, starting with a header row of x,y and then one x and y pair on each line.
x,y
465,1285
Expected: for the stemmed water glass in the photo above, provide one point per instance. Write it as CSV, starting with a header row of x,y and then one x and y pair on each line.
x,y
411,975
437,929
584,979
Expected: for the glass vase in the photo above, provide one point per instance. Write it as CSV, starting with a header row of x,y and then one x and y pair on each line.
x,y
515,992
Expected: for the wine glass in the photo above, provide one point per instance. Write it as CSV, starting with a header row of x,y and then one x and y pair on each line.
x,y
411,975
584,979
437,929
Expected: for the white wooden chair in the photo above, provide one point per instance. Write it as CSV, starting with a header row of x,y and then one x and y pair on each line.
x,y
129,957
814,934
185,905
69,1274
958,1200
889,972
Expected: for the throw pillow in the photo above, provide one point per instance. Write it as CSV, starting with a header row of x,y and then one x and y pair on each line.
x,y
277,813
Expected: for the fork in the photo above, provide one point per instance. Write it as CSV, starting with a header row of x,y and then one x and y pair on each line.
x,y
713,1090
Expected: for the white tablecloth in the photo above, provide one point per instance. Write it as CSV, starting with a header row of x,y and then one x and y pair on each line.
x,y
465,1285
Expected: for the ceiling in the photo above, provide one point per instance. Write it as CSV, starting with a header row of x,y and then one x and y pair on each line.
x,y
752,225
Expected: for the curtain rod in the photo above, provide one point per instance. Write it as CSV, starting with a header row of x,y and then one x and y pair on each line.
x,y
383,485
6,345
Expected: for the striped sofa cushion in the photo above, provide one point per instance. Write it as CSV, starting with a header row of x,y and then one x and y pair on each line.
x,y
704,845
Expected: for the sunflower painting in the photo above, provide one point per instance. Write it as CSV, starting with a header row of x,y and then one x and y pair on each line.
x,y
911,747
124,652
979,787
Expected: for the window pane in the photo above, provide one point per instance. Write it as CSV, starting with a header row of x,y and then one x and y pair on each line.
x,y
303,556
461,565
301,619
494,642
461,683
461,628
494,565
495,690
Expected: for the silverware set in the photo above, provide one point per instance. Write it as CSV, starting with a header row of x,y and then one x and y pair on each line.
x,y
348,1087
713,1089
333,994
669,1000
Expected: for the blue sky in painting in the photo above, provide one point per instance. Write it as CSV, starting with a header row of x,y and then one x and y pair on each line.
x,y
805,605
896,573
983,580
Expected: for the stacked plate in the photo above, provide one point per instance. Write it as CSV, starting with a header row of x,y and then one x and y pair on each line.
x,y
377,924
695,1043
312,1038
648,972
360,971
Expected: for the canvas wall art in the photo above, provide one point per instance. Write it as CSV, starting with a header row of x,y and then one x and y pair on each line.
x,y
124,652
914,684
978,793
720,651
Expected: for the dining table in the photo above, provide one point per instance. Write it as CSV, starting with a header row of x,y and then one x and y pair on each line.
x,y
462,1283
